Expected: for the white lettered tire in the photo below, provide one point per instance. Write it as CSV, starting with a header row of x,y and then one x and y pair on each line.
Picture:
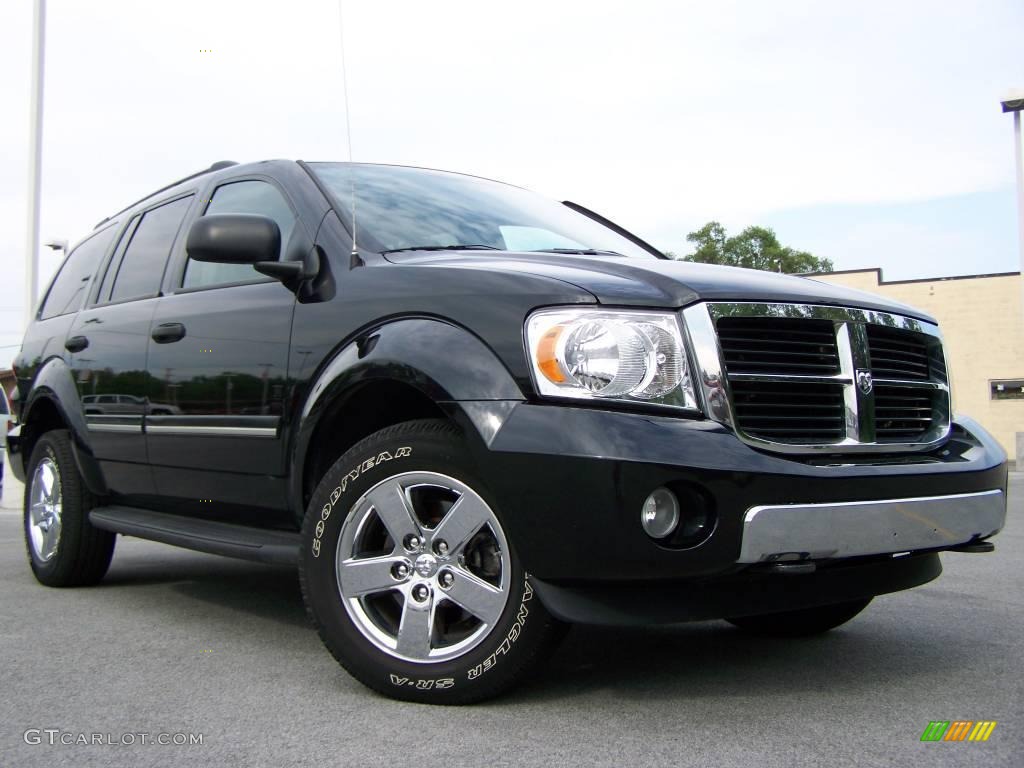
x,y
408,574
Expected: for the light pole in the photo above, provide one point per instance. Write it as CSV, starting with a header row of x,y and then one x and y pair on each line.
x,y
1014,102
35,159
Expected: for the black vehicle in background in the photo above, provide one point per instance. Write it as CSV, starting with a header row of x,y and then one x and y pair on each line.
x,y
470,415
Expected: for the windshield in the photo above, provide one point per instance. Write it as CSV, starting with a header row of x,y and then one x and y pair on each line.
x,y
407,208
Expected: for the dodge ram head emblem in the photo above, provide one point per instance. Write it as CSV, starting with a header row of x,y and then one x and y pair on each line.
x,y
864,382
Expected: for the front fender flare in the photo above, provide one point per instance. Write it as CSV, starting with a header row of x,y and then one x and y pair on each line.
x,y
445,362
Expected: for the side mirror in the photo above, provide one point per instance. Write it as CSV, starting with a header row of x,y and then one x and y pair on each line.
x,y
234,238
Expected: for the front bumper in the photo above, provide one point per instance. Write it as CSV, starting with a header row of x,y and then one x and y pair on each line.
x,y
755,591
570,482
855,528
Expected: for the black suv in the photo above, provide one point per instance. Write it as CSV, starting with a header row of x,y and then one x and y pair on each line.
x,y
470,414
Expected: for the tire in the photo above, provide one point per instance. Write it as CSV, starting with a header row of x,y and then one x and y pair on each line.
x,y
446,653
802,623
64,549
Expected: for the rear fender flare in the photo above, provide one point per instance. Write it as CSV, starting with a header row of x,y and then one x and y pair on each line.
x,y
55,383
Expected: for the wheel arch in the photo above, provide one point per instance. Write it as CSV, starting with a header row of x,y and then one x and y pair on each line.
x,y
53,403
412,368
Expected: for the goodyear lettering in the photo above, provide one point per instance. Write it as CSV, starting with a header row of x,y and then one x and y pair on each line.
x,y
363,467
353,475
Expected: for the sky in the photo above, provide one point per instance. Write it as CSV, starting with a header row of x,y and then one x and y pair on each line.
x,y
869,133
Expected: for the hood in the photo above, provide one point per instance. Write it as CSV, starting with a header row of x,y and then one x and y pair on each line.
x,y
623,281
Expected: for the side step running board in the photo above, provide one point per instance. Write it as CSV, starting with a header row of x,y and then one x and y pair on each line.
x,y
259,544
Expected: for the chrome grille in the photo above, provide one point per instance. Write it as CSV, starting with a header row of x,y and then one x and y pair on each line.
x,y
902,413
809,378
797,412
898,354
779,345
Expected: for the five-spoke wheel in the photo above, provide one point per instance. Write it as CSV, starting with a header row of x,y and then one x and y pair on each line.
x,y
44,510
423,566
410,575
64,549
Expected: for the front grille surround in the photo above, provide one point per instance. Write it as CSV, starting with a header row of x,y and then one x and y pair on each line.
x,y
785,376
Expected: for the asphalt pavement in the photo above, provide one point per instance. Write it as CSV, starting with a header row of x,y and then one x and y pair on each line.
x,y
174,642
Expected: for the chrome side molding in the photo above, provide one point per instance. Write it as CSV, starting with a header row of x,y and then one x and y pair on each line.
x,y
197,430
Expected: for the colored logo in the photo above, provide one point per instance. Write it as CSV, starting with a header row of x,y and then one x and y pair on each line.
x,y
958,730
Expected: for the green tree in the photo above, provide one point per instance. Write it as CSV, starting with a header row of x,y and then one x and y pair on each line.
x,y
753,248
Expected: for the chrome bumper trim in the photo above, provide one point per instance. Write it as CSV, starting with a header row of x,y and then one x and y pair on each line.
x,y
855,528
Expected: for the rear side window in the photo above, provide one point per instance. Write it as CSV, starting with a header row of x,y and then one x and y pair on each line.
x,y
68,289
142,266
256,197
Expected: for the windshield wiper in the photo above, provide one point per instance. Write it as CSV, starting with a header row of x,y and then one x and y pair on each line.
x,y
580,251
444,248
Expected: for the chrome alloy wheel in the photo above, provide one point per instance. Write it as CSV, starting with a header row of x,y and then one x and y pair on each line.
x,y
44,510
423,567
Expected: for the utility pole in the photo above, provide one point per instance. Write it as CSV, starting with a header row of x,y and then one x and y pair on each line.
x,y
35,159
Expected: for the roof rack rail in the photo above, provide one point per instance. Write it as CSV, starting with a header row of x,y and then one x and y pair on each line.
x,y
218,166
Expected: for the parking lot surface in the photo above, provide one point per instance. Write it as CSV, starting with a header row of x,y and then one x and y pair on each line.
x,y
174,642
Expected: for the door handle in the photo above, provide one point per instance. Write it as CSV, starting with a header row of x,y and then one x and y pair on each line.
x,y
165,333
76,343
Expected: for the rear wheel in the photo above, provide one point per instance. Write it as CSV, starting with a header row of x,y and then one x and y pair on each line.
x,y
64,549
802,623
409,575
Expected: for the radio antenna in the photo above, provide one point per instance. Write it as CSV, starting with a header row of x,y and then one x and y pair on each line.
x,y
348,125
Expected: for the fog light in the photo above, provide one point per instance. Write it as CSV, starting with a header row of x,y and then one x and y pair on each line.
x,y
660,513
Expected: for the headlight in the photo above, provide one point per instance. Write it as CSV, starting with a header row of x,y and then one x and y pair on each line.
x,y
610,355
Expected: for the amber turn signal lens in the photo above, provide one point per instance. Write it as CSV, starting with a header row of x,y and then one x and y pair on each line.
x,y
547,357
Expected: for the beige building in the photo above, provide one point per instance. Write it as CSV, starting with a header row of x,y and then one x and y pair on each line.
x,y
982,322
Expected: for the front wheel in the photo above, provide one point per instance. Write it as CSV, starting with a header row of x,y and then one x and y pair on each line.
x,y
802,623
409,576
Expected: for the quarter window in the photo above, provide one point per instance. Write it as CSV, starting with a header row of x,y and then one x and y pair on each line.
x,y
68,289
142,266
255,197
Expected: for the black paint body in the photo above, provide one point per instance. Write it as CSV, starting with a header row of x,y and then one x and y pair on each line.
x,y
446,330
